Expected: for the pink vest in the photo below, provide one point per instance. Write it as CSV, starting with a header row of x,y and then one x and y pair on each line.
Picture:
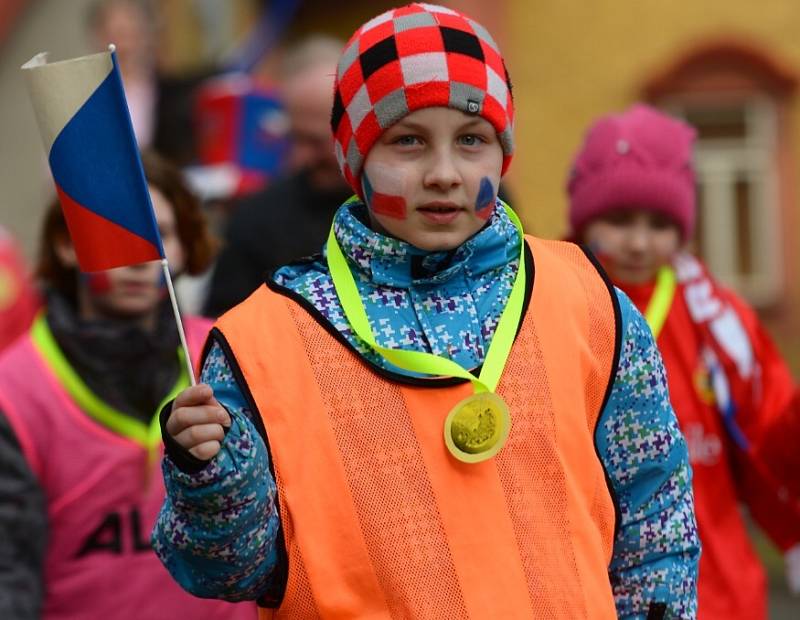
x,y
104,489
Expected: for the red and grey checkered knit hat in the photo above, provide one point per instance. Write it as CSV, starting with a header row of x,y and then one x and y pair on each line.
x,y
417,56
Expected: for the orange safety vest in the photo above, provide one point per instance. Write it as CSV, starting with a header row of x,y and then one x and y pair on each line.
x,y
380,521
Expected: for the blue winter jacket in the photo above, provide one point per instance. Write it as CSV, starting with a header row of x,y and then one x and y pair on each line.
x,y
218,532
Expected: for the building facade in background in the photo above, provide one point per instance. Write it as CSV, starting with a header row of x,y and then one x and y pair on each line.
x,y
728,68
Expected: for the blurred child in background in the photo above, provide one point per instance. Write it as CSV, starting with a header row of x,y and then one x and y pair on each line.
x,y
79,441
632,201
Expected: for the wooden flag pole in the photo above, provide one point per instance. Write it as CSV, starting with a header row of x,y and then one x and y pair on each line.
x,y
178,321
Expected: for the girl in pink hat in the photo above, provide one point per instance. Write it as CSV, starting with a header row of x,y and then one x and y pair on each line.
x,y
632,201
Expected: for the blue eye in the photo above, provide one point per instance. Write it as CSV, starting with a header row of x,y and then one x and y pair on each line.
x,y
471,139
407,140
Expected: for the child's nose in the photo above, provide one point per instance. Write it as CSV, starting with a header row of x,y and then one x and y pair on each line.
x,y
637,239
442,172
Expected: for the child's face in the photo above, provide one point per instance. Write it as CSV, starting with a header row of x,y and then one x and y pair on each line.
x,y
431,179
633,244
135,291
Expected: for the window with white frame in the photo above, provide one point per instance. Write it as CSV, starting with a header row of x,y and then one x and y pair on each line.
x,y
738,226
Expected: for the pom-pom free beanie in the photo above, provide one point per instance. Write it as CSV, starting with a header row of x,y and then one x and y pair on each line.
x,y
640,159
417,56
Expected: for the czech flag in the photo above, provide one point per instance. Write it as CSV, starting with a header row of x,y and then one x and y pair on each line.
x,y
83,118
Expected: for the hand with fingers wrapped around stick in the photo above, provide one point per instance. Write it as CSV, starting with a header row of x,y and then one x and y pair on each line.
x,y
198,422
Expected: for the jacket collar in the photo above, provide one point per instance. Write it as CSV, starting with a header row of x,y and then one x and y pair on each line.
x,y
388,261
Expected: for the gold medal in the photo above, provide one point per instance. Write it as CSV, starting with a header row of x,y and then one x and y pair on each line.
x,y
477,427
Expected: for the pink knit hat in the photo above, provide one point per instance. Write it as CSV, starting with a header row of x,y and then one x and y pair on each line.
x,y
639,159
417,56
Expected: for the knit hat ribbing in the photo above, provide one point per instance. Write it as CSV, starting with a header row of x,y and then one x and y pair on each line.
x,y
639,159
417,56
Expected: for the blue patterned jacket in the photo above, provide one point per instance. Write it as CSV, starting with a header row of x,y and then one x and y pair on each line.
x,y
218,531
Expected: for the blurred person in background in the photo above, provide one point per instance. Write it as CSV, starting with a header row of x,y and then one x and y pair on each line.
x,y
161,106
80,486
632,201
130,25
303,200
18,297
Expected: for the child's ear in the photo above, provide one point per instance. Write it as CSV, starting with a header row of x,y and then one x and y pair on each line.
x,y
65,251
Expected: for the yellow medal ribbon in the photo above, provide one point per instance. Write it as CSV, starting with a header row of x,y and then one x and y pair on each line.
x,y
477,427
661,301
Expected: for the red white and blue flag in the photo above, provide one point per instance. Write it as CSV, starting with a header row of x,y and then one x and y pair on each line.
x,y
83,118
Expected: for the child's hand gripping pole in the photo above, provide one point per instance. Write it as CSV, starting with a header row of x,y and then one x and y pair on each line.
x,y
198,422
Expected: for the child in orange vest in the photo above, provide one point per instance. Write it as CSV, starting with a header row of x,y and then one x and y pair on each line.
x,y
632,200
438,417
78,455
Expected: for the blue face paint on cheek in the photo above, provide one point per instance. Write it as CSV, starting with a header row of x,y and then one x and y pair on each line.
x,y
595,246
367,186
484,203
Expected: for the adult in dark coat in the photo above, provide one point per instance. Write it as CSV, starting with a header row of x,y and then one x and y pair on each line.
x,y
290,218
